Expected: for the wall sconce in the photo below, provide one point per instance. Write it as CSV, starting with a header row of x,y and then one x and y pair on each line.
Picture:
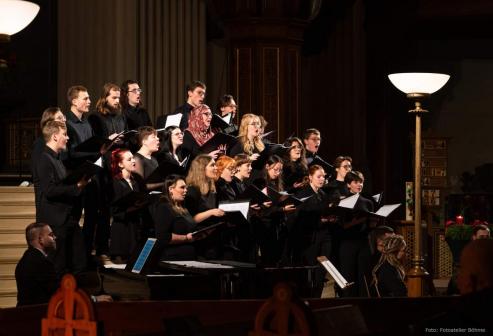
x,y
417,86
15,15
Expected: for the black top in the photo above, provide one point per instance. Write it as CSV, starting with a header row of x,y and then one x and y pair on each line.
x,y
184,109
104,125
136,117
38,149
195,202
56,200
238,186
225,191
390,282
36,278
336,189
292,173
360,213
78,130
149,165
168,221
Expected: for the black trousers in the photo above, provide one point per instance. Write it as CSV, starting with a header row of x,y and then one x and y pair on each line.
x,y
354,261
69,256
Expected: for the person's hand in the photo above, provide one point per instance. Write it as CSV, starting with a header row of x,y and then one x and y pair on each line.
x,y
298,184
267,204
222,148
217,212
215,154
116,137
289,208
83,182
254,156
255,207
103,298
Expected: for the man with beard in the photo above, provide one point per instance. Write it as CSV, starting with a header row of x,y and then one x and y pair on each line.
x,y
35,274
195,97
108,120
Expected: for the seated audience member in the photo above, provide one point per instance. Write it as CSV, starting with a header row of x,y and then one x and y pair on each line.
x,y
249,137
388,275
171,147
295,168
199,131
145,163
35,273
173,223
480,231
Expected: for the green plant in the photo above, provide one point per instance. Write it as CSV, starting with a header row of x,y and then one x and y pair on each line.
x,y
459,232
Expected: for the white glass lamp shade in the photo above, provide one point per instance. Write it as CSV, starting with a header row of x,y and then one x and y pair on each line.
x,y
418,82
15,15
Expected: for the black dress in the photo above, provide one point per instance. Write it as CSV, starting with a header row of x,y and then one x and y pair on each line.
x,y
293,172
126,228
148,165
390,282
167,221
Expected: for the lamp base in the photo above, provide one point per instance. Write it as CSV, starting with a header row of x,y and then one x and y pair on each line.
x,y
416,279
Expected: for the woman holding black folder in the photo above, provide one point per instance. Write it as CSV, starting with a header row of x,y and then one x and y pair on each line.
x,y
199,131
295,167
172,150
309,231
173,222
126,225
201,200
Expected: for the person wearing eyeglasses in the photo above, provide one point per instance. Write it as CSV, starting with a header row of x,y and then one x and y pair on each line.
x,y
199,131
250,140
337,188
312,140
195,97
131,101
295,167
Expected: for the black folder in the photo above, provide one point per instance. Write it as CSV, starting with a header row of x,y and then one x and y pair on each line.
x,y
165,169
133,200
93,144
270,149
329,169
206,230
217,140
281,199
87,169
234,217
218,123
254,194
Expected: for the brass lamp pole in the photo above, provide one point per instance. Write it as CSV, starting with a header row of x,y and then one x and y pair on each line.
x,y
417,87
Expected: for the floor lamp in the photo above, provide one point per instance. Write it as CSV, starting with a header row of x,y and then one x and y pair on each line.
x,y
417,87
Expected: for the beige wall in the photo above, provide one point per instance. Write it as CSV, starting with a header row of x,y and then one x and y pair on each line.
x,y
160,43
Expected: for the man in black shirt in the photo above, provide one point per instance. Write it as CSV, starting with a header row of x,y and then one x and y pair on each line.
x,y
59,201
312,140
196,96
130,99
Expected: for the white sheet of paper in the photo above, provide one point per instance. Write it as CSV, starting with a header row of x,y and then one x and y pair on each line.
x,y
99,162
376,197
116,266
242,207
386,210
173,120
349,202
336,275
227,118
198,264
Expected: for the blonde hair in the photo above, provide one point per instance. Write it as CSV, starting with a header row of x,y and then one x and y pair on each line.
x,y
52,127
196,175
391,247
243,134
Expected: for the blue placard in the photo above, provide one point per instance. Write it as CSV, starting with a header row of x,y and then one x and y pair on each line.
x,y
144,254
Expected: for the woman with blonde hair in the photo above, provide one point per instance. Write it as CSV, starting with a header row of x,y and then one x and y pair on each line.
x,y
388,275
249,136
201,198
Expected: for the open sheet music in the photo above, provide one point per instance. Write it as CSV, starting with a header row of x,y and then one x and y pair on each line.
x,y
339,279
348,202
386,210
240,206
173,120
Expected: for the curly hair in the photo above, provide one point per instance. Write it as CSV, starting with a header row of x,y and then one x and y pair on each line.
x,y
391,247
